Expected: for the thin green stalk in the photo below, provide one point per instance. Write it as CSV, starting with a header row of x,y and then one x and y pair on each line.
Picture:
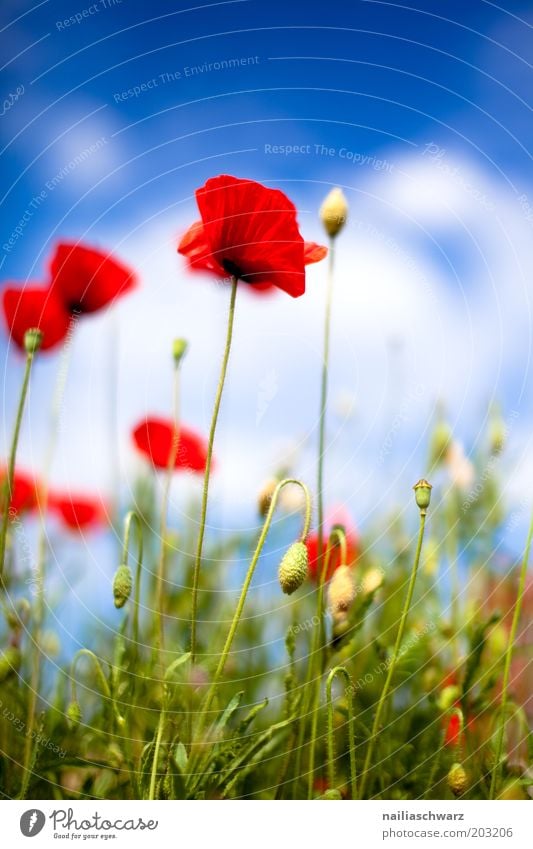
x,y
133,518
244,591
392,667
102,680
340,670
153,776
8,482
205,493
161,568
496,770
324,402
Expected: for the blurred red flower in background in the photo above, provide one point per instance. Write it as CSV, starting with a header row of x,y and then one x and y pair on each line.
x,y
24,494
77,512
154,438
250,232
82,280
338,516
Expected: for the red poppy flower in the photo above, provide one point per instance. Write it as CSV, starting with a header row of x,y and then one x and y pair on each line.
x,y
24,493
86,280
336,516
78,513
33,306
154,438
453,730
250,232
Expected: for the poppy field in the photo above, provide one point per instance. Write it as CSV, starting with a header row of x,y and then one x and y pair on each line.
x,y
389,662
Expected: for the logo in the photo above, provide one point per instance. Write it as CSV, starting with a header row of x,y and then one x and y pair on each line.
x,y
32,822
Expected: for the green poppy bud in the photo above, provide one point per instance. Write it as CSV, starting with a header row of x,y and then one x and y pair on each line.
x,y
334,212
422,494
10,661
293,568
74,716
457,779
448,697
32,340
179,349
122,585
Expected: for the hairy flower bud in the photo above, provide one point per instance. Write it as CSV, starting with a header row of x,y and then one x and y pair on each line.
x,y
265,494
10,661
457,779
372,580
32,340
422,494
122,585
334,212
74,716
341,591
293,568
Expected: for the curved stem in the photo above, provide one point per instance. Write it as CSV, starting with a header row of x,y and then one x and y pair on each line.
x,y
164,509
8,482
507,666
240,604
392,667
133,518
205,494
324,401
102,680
340,670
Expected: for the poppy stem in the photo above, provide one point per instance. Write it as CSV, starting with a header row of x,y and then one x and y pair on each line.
x,y
161,568
7,490
349,690
394,659
244,592
496,770
133,518
205,493
324,401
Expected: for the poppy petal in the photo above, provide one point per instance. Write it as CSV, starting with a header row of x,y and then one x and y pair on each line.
x,y
87,280
314,252
77,513
154,438
33,306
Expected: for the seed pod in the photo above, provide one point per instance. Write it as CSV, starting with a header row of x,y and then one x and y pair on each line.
x,y
32,340
122,585
293,568
10,661
457,779
422,494
265,494
74,716
341,591
334,212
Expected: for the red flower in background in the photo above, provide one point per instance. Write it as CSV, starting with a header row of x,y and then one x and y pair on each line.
x,y
78,513
83,280
339,516
24,494
250,232
154,438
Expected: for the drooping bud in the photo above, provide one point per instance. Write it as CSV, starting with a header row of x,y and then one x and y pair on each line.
x,y
32,340
341,591
179,349
265,494
10,661
334,212
122,585
293,568
422,494
74,716
457,779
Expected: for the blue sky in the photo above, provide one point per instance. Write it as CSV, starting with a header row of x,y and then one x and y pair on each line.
x,y
421,113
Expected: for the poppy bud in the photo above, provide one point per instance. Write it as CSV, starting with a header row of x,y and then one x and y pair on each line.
x,y
497,434
32,340
10,661
265,494
422,494
448,697
372,580
293,568
122,585
334,212
179,349
341,591
74,716
457,779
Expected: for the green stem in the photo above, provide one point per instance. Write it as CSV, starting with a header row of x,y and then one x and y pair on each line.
x,y
246,585
392,667
7,492
205,493
133,518
102,680
340,670
507,666
161,568
324,402
153,777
